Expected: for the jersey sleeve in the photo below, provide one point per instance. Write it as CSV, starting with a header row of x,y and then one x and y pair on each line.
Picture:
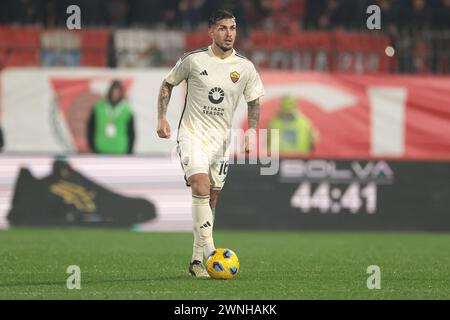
x,y
254,87
179,72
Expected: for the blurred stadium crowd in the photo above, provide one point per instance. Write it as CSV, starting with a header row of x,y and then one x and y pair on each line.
x,y
269,15
419,30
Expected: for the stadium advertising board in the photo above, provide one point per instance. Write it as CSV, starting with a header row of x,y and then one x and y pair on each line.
x,y
149,194
138,193
330,194
355,116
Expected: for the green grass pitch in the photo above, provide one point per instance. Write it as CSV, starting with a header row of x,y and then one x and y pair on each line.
x,y
117,264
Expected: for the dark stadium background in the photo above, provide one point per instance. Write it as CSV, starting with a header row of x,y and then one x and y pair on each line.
x,y
374,191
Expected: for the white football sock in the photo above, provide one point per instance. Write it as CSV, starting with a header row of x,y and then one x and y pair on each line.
x,y
197,250
203,225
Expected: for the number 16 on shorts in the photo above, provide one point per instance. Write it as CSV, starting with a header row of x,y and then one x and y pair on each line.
x,y
223,169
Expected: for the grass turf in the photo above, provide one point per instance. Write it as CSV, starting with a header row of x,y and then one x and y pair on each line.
x,y
118,264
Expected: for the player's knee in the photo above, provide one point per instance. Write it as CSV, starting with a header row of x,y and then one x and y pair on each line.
x,y
200,189
200,186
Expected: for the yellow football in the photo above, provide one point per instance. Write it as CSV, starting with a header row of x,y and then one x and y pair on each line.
x,y
222,263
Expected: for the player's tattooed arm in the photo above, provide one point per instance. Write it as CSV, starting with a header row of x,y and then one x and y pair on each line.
x,y
165,92
253,114
253,121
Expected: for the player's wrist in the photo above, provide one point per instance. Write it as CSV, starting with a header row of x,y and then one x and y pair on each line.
x,y
251,131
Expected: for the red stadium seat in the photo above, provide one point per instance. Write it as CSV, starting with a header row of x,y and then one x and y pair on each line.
x,y
344,41
301,40
94,44
322,39
14,59
288,42
195,40
20,46
19,58
365,42
32,58
30,37
4,37
95,39
265,40
93,58
24,37
258,39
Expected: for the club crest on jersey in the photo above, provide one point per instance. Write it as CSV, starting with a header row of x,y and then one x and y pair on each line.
x,y
235,76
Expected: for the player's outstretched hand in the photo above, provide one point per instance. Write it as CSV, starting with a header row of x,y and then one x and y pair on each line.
x,y
163,129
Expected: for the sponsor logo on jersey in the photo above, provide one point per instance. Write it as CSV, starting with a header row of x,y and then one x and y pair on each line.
x,y
213,111
235,76
216,95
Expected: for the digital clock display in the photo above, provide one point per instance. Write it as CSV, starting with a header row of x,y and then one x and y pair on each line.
x,y
326,198
327,194
324,186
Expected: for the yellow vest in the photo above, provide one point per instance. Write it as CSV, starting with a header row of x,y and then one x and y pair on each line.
x,y
295,135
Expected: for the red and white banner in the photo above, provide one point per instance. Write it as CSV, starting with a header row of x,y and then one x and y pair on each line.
x,y
357,116
366,116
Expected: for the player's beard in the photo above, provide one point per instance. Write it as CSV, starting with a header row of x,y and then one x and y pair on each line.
x,y
225,49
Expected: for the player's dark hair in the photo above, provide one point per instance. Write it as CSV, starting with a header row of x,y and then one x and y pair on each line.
x,y
219,15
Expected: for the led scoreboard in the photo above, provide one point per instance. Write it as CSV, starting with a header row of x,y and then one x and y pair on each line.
x,y
328,188
338,194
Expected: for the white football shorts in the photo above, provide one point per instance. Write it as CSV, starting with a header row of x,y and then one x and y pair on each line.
x,y
196,158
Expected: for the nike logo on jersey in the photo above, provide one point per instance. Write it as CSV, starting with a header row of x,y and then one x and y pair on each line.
x,y
204,73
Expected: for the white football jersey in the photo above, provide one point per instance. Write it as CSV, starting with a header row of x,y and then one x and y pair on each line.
x,y
214,88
